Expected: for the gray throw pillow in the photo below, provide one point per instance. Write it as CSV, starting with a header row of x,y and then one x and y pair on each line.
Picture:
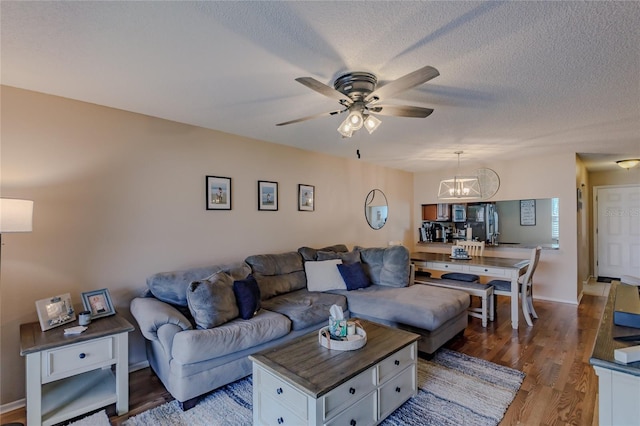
x,y
212,301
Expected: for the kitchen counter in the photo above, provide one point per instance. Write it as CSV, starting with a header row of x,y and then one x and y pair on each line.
x,y
499,246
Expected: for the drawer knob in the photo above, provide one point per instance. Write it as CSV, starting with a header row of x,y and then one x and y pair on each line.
x,y
352,391
398,389
279,391
352,423
280,420
486,270
397,362
82,355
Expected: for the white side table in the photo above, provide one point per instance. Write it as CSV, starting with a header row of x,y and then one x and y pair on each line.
x,y
68,376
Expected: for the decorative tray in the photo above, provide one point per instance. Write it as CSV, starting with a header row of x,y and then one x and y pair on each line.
x,y
353,342
460,258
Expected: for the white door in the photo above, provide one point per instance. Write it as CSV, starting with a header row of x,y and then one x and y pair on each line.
x,y
618,231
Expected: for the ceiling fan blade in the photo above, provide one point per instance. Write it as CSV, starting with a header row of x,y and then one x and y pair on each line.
x,y
323,89
401,110
403,83
310,117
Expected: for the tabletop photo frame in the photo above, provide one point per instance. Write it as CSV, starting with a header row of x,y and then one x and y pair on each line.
x,y
55,311
306,198
98,302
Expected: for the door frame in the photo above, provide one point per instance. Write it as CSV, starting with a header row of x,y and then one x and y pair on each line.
x,y
595,220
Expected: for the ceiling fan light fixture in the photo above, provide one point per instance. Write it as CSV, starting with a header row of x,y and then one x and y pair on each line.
x,y
628,164
371,123
345,129
356,120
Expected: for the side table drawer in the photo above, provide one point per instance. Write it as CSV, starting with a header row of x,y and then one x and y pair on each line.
x,y
395,392
282,392
362,412
395,363
74,359
348,392
275,413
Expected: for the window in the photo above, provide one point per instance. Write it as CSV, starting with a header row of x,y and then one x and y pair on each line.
x,y
555,220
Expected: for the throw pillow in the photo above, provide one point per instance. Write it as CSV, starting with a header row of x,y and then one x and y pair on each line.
x,y
247,295
323,275
211,301
354,276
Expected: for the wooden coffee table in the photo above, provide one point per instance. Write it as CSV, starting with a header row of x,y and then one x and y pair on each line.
x,y
303,383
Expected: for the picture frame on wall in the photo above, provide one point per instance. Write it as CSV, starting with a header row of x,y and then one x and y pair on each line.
x,y
306,198
98,302
527,212
218,193
267,195
55,311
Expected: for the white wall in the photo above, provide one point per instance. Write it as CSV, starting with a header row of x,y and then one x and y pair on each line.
x,y
119,196
526,178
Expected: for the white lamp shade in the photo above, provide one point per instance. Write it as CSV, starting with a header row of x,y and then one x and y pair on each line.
x,y
16,215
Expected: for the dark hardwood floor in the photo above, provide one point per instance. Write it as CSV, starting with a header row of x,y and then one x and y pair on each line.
x,y
560,387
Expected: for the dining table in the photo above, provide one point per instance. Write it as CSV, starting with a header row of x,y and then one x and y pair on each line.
x,y
503,268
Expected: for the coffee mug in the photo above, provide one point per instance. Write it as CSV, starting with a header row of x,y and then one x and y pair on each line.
x,y
84,318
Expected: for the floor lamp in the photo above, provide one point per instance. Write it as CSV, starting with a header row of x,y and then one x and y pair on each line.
x,y
15,216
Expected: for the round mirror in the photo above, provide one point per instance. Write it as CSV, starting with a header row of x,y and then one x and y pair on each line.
x,y
376,209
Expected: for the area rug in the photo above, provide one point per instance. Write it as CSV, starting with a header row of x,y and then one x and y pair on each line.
x,y
454,389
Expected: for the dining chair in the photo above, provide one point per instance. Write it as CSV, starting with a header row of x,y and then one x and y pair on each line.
x,y
526,287
473,248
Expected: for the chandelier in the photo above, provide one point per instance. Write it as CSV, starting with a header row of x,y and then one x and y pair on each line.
x,y
460,187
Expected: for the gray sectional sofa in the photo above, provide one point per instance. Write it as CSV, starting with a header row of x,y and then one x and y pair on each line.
x,y
198,341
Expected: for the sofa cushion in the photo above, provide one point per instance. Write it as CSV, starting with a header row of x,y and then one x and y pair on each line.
x,y
421,306
389,266
324,275
203,345
305,308
458,276
171,287
346,257
354,276
212,301
309,253
277,273
247,295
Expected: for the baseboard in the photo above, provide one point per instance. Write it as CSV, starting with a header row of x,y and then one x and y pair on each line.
x,y
551,299
10,406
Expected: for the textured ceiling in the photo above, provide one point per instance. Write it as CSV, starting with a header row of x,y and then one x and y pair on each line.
x,y
516,78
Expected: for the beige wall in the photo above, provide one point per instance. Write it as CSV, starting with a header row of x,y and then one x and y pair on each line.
x,y
541,177
119,196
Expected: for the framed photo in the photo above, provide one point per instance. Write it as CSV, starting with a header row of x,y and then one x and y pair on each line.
x,y
218,193
527,212
98,302
55,311
267,195
306,197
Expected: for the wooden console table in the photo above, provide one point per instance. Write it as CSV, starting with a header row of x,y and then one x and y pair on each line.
x,y
69,375
618,384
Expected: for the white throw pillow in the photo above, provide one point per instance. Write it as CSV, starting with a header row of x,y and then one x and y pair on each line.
x,y
324,275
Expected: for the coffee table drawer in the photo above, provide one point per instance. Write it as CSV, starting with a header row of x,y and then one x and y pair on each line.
x,y
362,412
396,363
446,267
276,413
282,392
395,392
348,392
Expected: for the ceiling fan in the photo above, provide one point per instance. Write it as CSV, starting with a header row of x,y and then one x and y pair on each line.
x,y
357,93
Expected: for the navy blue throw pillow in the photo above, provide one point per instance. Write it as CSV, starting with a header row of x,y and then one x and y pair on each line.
x,y
247,295
354,276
